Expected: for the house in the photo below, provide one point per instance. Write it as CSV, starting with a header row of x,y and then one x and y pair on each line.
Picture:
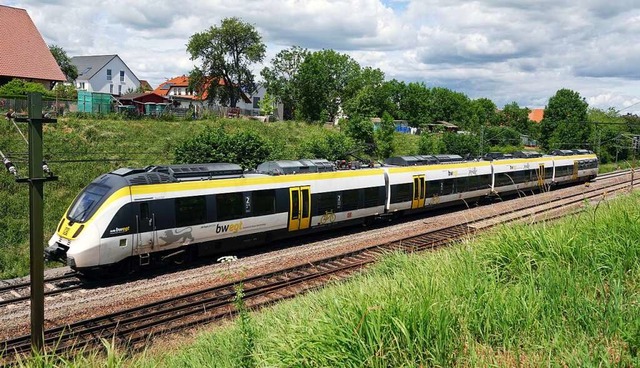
x,y
105,74
536,115
24,53
177,89
144,103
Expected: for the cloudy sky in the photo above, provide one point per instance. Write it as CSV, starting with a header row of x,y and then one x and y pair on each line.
x,y
505,50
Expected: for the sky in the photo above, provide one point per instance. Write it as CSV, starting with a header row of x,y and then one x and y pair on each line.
x,y
504,50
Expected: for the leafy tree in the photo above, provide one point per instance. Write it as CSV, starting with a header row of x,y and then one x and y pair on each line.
x,y
64,62
501,136
279,78
608,132
65,91
447,105
267,104
461,144
430,144
20,87
247,148
226,54
484,113
332,145
321,83
384,136
565,123
413,101
517,118
360,130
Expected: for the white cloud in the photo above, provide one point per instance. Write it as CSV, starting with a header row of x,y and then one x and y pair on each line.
x,y
505,50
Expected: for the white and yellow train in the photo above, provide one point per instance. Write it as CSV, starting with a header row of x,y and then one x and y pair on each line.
x,y
133,218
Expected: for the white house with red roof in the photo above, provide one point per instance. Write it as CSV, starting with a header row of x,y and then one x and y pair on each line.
x,y
23,52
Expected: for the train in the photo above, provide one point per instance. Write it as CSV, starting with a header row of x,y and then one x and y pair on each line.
x,y
134,218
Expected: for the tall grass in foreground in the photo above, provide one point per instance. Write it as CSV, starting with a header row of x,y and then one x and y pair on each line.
x,y
559,295
565,294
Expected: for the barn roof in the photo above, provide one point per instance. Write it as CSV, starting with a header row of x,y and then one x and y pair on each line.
x,y
24,53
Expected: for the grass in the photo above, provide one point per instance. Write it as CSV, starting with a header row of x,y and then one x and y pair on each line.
x,y
564,294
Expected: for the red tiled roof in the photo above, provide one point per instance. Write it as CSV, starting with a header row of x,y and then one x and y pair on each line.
x,y
24,54
183,81
536,115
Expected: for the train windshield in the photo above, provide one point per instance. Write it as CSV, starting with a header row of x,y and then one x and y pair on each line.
x,y
87,202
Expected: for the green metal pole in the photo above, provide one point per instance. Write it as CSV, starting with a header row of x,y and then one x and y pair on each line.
x,y
36,220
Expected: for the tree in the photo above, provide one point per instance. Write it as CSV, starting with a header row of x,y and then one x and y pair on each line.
x,y
20,87
361,131
248,149
384,136
512,115
64,62
484,113
226,54
413,102
332,145
565,123
321,83
279,78
266,104
461,144
430,144
447,105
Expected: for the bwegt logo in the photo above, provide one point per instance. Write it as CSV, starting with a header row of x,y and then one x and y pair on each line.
x,y
231,228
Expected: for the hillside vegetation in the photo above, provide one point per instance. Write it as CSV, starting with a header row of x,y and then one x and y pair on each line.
x,y
79,150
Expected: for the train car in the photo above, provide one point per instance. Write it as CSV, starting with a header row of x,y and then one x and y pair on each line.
x,y
140,217
133,218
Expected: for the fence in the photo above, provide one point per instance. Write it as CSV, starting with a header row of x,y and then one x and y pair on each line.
x,y
51,107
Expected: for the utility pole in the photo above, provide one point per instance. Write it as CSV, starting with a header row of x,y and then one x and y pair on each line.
x,y
36,181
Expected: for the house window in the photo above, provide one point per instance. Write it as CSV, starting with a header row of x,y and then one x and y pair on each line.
x,y
111,88
108,74
81,85
122,76
256,102
119,90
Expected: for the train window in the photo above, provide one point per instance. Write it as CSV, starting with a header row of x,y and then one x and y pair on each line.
x,y
264,202
401,192
548,172
503,179
325,202
230,206
144,211
350,200
484,182
372,197
190,211
461,185
433,188
446,186
87,202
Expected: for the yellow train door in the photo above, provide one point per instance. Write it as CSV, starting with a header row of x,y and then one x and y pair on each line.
x,y
574,175
418,191
299,208
541,175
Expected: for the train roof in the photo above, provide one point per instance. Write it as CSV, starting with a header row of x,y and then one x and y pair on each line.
x,y
284,167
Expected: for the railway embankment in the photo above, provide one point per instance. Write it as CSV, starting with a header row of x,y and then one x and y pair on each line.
x,y
562,293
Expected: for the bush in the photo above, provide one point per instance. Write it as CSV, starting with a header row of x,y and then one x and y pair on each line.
x,y
246,148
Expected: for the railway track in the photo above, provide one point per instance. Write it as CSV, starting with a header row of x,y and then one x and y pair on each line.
x,y
11,293
133,327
